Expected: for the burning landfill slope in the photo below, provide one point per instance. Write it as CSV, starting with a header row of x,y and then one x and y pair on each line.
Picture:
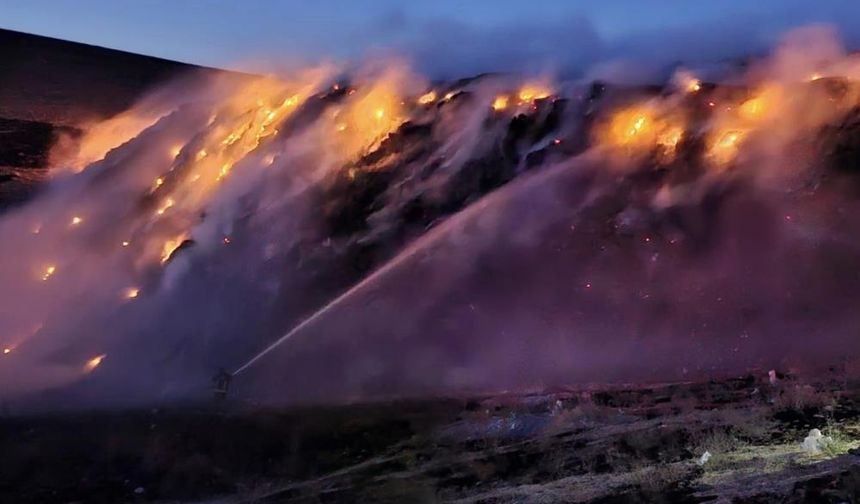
x,y
384,236
55,89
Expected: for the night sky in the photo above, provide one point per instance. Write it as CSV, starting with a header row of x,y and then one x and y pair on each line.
x,y
472,35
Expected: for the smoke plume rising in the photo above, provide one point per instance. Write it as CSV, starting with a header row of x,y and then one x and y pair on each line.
x,y
336,237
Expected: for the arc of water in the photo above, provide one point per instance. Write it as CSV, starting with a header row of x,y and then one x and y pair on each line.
x,y
407,253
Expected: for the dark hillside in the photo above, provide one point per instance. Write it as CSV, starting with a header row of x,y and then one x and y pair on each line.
x,y
65,83
48,86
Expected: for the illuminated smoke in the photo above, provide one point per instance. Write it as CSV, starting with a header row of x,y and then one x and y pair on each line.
x,y
377,235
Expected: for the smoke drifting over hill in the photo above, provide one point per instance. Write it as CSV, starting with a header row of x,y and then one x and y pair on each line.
x,y
578,46
332,237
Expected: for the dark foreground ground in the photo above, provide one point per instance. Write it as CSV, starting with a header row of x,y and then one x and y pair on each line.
x,y
610,446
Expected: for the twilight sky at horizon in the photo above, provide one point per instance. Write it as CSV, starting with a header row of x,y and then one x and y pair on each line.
x,y
440,36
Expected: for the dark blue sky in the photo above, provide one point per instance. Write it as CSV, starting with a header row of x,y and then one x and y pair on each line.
x,y
442,36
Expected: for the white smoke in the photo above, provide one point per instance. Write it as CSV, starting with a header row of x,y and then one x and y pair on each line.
x,y
343,226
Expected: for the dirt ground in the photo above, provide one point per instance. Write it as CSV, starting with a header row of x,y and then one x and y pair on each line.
x,y
618,445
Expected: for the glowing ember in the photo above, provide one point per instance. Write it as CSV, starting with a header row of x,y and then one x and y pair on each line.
x,y
201,154
125,244
500,103
640,130
94,363
632,127
168,203
49,271
532,92
76,220
763,104
174,152
427,99
231,139
694,85
670,137
638,123
159,182
368,117
725,148
170,247
131,293
7,350
668,140
730,139
752,108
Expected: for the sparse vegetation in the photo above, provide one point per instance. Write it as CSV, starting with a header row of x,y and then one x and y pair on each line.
x,y
794,396
836,441
643,451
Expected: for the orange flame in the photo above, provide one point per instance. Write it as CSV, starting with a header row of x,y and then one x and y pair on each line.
x,y
49,272
641,129
500,103
166,205
427,99
170,247
94,363
532,92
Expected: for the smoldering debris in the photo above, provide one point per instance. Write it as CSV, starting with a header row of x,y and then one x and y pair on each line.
x,y
334,238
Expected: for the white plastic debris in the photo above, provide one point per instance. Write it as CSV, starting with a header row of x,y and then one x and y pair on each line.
x,y
704,458
814,442
771,377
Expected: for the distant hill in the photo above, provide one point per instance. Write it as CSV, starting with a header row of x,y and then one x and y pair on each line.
x,y
65,83
49,85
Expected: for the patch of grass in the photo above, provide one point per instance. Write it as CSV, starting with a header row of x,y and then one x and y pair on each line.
x,y
659,477
836,441
716,441
801,397
748,460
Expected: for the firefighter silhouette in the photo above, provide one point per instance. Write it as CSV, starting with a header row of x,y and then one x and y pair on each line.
x,y
221,380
